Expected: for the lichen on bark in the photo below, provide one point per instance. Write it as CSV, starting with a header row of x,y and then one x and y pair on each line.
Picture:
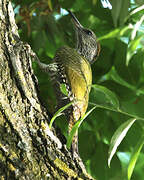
x,y
28,148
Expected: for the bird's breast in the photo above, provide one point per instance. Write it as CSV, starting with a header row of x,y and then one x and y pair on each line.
x,y
80,83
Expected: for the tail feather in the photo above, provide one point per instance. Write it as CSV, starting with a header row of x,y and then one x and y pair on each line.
x,y
74,146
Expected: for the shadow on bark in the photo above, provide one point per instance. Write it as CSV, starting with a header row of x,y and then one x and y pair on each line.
x,y
28,148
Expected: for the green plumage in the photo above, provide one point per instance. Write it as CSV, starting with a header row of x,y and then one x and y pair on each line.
x,y
72,68
78,75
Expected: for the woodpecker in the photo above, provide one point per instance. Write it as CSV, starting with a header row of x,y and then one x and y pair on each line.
x,y
72,67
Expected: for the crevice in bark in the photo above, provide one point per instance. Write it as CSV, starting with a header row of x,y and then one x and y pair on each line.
x,y
28,148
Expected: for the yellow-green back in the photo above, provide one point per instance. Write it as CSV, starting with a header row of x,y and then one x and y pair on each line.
x,y
79,76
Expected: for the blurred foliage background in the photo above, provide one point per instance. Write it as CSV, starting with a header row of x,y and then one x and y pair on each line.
x,y
118,77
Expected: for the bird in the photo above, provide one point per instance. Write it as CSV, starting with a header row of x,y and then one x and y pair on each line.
x,y
72,68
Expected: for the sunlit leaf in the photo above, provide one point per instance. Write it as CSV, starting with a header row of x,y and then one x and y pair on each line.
x,y
136,10
63,89
133,45
137,27
50,5
118,137
135,156
59,113
124,29
111,34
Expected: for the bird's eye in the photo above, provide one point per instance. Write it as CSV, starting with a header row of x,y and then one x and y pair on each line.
x,y
88,32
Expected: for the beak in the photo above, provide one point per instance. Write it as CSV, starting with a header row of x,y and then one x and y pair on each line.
x,y
75,20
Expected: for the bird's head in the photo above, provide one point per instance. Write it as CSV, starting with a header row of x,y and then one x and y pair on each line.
x,y
87,44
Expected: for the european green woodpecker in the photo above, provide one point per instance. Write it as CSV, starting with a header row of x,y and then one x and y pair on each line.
x,y
72,68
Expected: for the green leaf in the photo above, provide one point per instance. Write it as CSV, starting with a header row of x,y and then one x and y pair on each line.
x,y
124,11
118,137
109,95
111,34
116,7
119,11
63,89
59,113
115,33
115,76
137,27
75,128
133,45
135,10
135,156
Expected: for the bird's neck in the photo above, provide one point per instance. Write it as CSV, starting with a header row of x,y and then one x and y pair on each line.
x,y
86,52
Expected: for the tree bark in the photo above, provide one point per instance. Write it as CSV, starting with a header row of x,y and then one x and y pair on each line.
x,y
28,148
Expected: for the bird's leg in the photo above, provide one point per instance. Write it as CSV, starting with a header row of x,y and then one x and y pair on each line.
x,y
50,68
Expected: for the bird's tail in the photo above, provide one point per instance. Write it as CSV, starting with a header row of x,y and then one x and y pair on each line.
x,y
74,146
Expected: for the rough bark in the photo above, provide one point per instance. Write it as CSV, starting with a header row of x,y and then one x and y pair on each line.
x,y
28,148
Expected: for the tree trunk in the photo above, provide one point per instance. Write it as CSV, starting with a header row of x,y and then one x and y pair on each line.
x,y
28,148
